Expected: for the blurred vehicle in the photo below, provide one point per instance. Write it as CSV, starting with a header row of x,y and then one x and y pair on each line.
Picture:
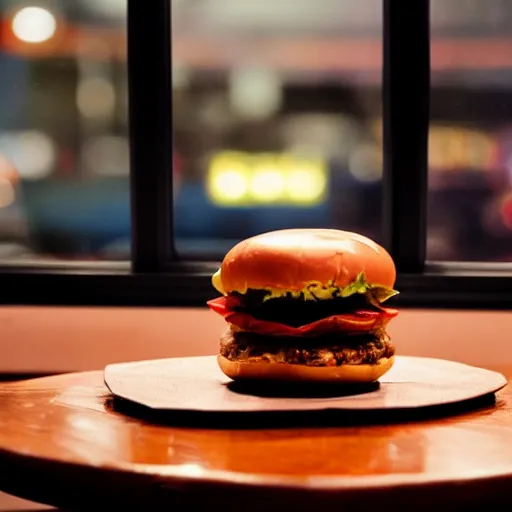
x,y
74,219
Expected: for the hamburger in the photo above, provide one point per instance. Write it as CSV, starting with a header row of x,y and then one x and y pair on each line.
x,y
306,305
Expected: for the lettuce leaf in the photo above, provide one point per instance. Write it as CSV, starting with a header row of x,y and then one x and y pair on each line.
x,y
376,293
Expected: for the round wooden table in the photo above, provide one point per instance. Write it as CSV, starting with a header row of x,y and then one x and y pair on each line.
x,y
62,443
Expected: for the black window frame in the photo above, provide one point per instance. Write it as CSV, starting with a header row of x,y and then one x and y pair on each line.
x,y
156,277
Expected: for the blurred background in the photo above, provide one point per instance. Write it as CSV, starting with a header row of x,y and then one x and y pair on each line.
x,y
277,123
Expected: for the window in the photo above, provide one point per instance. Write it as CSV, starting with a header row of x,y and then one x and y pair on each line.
x,y
470,202
64,151
270,136
249,96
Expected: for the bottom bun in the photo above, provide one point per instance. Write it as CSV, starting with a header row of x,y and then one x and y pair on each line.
x,y
261,370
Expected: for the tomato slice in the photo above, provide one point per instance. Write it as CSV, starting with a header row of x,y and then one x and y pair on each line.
x,y
356,322
223,305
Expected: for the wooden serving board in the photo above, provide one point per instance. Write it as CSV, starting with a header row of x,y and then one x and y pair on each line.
x,y
197,384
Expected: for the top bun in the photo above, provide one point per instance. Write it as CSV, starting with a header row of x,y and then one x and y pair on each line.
x,y
291,259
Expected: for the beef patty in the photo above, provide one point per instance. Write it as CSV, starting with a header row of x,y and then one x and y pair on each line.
x,y
326,350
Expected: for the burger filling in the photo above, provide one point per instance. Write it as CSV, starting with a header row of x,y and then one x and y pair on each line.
x,y
331,328
326,350
316,291
294,311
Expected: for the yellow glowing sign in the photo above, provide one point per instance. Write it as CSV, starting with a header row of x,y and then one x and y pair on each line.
x,y
452,148
243,179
